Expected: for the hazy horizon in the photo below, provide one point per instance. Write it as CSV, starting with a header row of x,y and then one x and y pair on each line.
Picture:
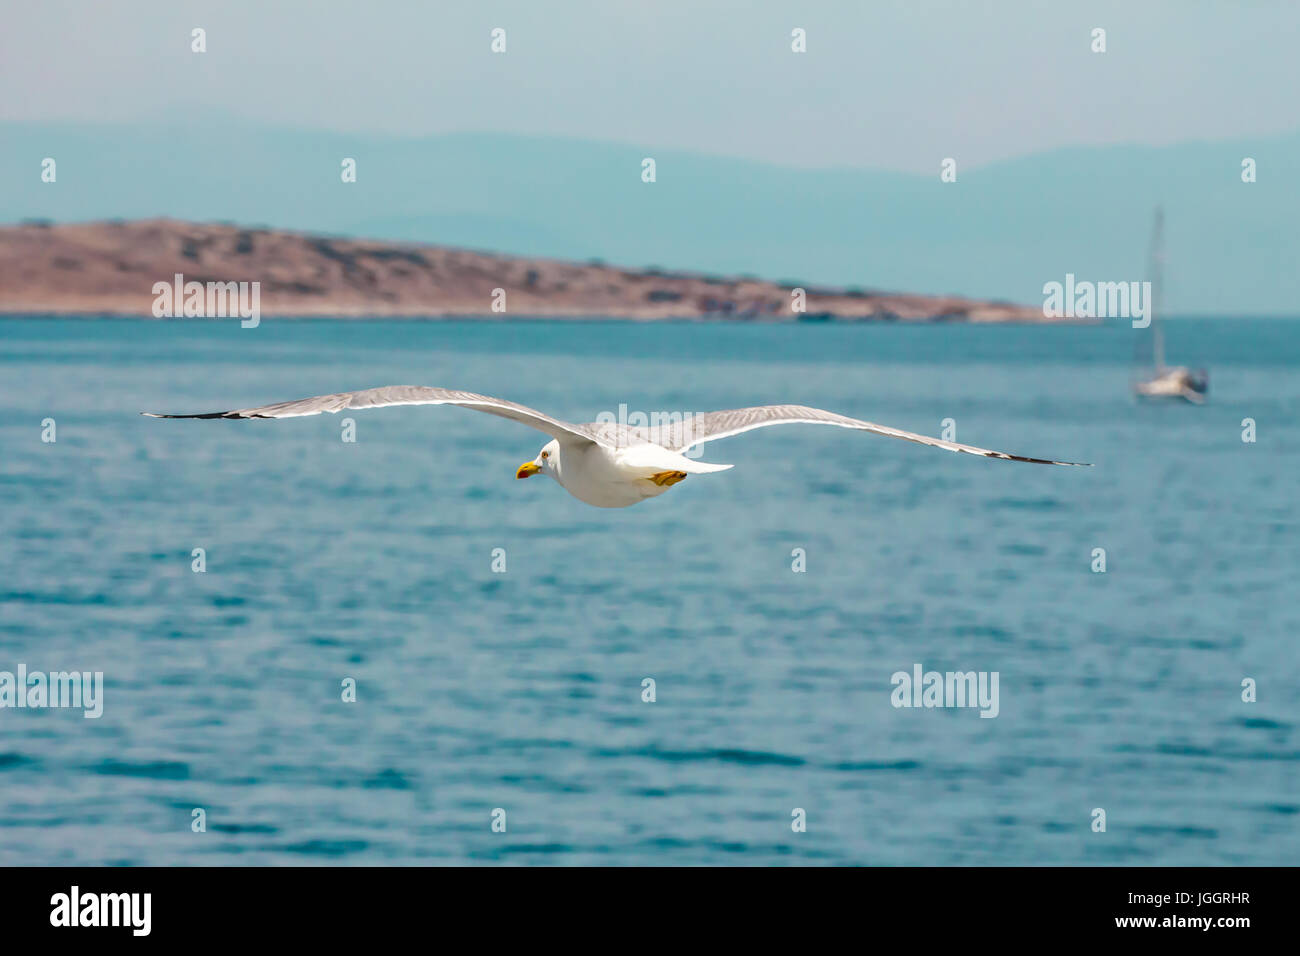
x,y
999,232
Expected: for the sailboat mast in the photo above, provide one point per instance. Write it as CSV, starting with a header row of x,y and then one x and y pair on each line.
x,y
1155,269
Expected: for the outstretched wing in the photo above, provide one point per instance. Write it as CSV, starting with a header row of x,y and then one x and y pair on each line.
x,y
407,395
714,425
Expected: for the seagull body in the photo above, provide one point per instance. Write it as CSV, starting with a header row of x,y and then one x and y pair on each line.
x,y
604,464
613,477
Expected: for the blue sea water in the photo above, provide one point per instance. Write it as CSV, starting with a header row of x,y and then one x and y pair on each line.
x,y
522,690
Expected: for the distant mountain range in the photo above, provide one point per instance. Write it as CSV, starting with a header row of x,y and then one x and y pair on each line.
x,y
999,232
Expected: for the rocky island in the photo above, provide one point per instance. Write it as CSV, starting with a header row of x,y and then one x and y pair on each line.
x,y
111,268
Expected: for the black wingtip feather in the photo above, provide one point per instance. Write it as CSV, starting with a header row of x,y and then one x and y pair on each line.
x,y
204,415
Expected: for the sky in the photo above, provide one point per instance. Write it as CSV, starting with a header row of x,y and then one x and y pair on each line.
x,y
889,85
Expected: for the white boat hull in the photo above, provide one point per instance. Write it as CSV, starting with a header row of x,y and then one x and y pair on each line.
x,y
1179,383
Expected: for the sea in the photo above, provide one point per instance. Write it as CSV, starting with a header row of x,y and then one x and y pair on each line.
x,y
388,650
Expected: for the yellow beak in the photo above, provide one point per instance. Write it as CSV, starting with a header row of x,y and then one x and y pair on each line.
x,y
527,469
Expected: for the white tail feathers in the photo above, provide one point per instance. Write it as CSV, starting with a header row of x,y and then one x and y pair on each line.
x,y
701,467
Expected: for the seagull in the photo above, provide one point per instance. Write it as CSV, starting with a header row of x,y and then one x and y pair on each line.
x,y
605,464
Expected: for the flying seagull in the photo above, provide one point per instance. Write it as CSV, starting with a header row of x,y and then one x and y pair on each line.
x,y
605,464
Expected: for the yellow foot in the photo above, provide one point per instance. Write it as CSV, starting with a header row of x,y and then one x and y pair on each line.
x,y
668,477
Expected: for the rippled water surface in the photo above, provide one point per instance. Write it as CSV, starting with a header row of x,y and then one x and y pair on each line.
x,y
522,690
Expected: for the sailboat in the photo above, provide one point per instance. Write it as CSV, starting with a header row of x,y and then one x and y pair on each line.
x,y
1166,381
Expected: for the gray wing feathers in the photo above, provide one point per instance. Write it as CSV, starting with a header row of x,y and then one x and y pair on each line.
x,y
676,436
403,395
714,425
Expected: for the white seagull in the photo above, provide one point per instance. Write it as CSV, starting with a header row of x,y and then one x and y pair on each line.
x,y
605,464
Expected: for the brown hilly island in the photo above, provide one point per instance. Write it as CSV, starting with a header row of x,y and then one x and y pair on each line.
x,y
110,269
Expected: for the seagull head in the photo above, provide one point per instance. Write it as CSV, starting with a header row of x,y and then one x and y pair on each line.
x,y
547,461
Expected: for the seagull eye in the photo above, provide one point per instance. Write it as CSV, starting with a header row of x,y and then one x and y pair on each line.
x,y
545,455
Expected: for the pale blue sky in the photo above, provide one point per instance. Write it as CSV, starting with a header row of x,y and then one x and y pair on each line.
x,y
884,84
